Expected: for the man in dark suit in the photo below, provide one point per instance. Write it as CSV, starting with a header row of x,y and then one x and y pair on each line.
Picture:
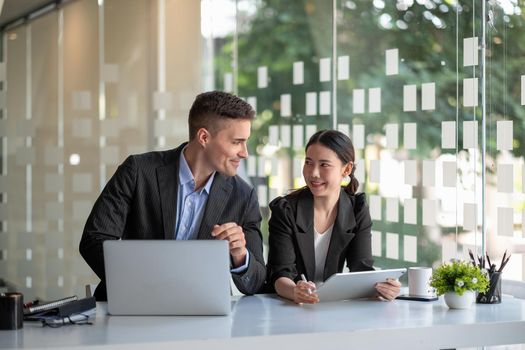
x,y
190,192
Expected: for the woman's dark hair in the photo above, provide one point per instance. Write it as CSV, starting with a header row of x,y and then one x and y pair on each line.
x,y
343,148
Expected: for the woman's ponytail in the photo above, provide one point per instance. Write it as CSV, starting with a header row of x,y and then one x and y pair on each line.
x,y
353,185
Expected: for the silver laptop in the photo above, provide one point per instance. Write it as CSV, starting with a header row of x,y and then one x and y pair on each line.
x,y
167,277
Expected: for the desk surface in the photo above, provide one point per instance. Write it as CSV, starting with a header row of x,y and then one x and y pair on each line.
x,y
265,320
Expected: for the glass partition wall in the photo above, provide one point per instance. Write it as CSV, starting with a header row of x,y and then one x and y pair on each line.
x,y
435,116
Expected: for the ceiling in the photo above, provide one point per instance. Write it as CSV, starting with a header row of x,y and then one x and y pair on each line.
x,y
14,9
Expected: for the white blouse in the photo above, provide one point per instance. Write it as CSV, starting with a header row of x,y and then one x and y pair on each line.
x,y
321,243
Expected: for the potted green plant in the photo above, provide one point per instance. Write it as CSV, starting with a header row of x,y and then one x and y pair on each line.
x,y
459,281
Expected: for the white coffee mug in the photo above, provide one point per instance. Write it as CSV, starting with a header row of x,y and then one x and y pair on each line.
x,y
419,281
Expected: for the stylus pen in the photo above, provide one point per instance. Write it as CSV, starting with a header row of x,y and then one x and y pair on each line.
x,y
303,277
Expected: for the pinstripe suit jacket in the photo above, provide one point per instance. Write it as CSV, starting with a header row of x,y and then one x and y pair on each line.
x,y
139,202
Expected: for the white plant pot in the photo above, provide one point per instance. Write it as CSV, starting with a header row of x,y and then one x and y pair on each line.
x,y
456,301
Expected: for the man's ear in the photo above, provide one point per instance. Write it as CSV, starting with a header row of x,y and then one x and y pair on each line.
x,y
203,136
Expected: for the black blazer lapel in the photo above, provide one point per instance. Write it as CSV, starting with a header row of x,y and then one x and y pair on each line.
x,y
305,234
168,182
217,199
341,234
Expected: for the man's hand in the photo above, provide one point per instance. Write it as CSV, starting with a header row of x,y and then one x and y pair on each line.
x,y
232,233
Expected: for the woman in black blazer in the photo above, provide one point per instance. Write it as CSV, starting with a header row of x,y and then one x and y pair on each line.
x,y
314,230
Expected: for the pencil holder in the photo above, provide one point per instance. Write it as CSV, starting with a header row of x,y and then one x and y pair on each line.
x,y
11,311
493,294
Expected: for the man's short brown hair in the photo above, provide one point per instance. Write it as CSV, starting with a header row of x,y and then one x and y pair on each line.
x,y
211,107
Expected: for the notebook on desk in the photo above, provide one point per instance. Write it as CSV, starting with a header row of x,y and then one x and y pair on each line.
x,y
167,277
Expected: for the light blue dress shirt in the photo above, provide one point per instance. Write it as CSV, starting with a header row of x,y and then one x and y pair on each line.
x,y
191,205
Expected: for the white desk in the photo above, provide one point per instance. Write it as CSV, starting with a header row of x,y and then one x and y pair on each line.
x,y
263,321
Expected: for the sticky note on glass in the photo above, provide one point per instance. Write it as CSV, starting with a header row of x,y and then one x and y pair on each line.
x,y
504,135
376,243
470,51
523,179
375,171
54,210
310,130
410,211
298,140
252,100
324,69
324,103
410,135
162,100
343,68
25,128
111,155
262,195
228,82
429,212
392,210
448,249
274,163
262,77
392,132
470,216
375,207
359,174
298,167
261,166
411,172
53,183
523,90
286,105
392,245
429,173
311,103
344,128
410,248
273,135
449,174
252,166
470,134
409,98
298,73
82,128
392,61
3,122
82,183
81,210
505,178
110,127
110,73
53,155
470,92
285,135
358,136
374,100
358,101
81,100
428,96
522,223
448,134
505,221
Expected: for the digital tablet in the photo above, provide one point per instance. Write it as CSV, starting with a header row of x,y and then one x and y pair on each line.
x,y
353,285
